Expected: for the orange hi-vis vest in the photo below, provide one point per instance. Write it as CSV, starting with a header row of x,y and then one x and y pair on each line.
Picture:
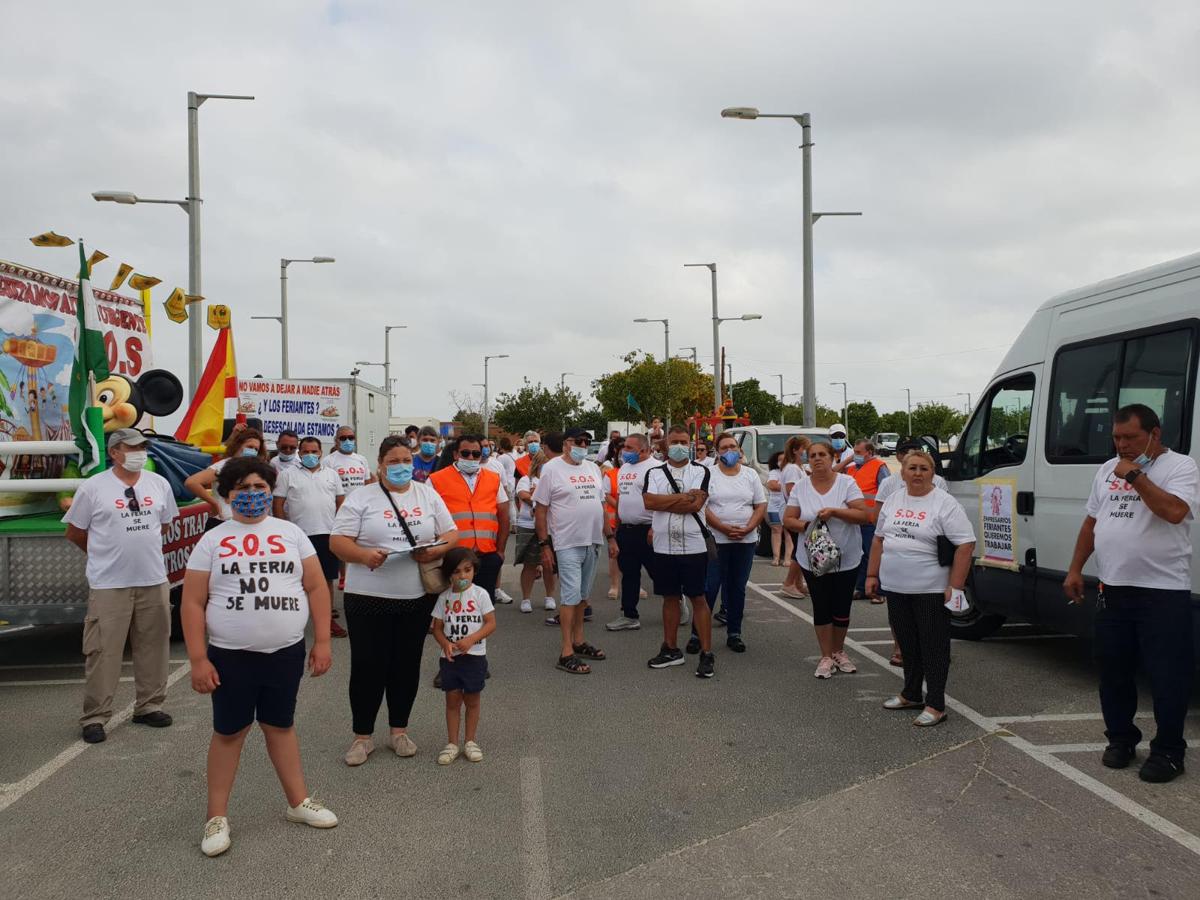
x,y
474,514
867,476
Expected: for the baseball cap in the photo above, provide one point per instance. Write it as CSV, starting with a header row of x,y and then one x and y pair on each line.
x,y
125,436
573,433
837,428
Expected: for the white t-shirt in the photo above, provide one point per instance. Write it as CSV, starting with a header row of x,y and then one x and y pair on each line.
x,y
367,517
525,510
895,482
810,501
281,465
225,513
792,474
351,468
732,498
310,497
708,461
631,477
775,499
574,497
1134,547
677,534
509,465
256,597
909,527
125,548
462,615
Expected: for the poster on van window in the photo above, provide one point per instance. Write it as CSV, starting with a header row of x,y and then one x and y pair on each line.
x,y
998,523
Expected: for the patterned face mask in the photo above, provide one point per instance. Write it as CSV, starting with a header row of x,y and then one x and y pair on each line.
x,y
251,504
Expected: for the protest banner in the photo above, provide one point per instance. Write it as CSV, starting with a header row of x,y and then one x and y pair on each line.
x,y
998,523
309,408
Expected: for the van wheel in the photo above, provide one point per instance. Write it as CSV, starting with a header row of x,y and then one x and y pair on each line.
x,y
974,625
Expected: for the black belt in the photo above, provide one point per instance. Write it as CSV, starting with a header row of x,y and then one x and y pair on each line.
x,y
623,525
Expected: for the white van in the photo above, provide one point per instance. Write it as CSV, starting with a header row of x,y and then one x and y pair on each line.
x,y
1045,423
760,442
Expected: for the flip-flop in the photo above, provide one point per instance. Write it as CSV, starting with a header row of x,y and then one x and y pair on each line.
x,y
899,702
928,720
878,600
897,660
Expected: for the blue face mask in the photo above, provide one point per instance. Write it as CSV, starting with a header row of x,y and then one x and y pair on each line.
x,y
287,457
347,446
533,447
468,466
309,460
678,452
731,458
249,451
1144,458
487,451
630,456
428,448
400,474
859,460
251,504
579,454
804,457
839,443
461,584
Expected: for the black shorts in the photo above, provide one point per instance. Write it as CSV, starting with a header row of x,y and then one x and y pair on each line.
x,y
330,564
256,685
466,673
680,575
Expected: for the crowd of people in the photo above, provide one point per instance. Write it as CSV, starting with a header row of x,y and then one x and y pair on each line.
x,y
417,539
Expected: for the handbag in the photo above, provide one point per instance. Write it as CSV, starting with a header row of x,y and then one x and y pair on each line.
x,y
824,554
432,579
945,551
710,543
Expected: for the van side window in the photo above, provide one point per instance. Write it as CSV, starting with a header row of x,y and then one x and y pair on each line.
x,y
1092,381
998,436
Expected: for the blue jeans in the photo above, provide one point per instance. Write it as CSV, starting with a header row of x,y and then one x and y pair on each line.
x,y
576,571
728,574
868,535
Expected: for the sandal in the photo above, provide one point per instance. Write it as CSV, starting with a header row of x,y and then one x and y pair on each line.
x,y
927,719
574,665
587,651
899,702
877,600
897,660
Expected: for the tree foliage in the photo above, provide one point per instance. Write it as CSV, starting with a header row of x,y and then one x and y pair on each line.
x,y
937,419
861,420
535,407
468,412
677,389
763,406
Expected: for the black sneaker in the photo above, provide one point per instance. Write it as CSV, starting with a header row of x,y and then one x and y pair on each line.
x,y
693,645
734,643
1159,769
719,618
667,657
156,719
94,733
705,668
1118,756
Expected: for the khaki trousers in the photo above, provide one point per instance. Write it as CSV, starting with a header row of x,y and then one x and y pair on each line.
x,y
143,614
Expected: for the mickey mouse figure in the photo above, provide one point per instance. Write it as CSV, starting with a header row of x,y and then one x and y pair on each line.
x,y
156,392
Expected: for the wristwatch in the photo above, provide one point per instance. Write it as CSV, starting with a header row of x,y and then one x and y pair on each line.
x,y
545,543
1132,476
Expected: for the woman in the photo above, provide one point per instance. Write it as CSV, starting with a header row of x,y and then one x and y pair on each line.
x,y
781,540
795,457
702,456
836,500
737,503
251,583
387,607
904,564
612,462
243,442
529,554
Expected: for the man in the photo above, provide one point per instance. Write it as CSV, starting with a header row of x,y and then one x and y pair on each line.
x,y
675,494
351,467
602,456
478,503
843,453
633,530
425,458
533,446
412,436
286,445
572,530
310,495
1138,524
870,472
117,518
702,455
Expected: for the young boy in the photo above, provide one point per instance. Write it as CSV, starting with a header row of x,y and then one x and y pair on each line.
x,y
462,619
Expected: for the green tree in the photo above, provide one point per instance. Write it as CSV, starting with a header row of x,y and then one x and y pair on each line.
x,y
937,419
793,414
537,408
677,389
594,421
861,420
763,406
894,421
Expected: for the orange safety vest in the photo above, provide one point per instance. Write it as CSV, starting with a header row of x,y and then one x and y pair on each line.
x,y
613,492
474,514
867,477
523,464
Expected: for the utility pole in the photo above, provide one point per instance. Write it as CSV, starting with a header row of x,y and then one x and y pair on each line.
x,y
845,409
908,392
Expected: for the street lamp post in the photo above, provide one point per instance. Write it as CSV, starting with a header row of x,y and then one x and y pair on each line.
x,y
845,407
695,359
717,320
666,358
810,218
487,412
908,393
966,394
282,318
783,412
562,387
387,364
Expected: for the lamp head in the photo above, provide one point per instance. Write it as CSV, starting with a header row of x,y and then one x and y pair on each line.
x,y
641,320
750,317
739,112
115,196
323,259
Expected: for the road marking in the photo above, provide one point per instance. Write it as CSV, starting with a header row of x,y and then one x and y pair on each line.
x,y
868,629
19,789
535,854
52,681
16,628
1025,637
874,643
1071,748
1075,717
74,665
990,725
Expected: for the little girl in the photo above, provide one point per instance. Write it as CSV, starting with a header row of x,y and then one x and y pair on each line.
x,y
462,620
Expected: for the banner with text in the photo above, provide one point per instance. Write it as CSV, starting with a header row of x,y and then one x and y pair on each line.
x,y
309,408
998,523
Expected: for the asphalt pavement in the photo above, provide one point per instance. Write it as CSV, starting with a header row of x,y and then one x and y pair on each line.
x,y
624,783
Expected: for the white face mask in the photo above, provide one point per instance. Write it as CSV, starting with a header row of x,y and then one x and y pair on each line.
x,y
135,460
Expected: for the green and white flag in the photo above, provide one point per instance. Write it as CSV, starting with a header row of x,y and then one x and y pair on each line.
x,y
90,366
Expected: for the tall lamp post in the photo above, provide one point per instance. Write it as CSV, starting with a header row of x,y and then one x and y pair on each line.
x,y
908,393
717,320
845,408
783,413
487,413
810,218
966,394
191,206
695,359
387,364
282,318
562,387
666,323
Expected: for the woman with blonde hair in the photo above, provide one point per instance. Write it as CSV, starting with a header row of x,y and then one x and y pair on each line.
x,y
795,470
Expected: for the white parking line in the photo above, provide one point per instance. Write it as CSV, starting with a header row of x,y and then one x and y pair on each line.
x,y
535,854
52,681
1074,717
1071,748
990,725
14,792
74,665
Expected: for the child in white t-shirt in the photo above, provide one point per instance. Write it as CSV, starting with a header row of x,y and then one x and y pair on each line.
x,y
462,620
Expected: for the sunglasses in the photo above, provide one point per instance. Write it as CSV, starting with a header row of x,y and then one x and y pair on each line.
x,y
470,454
132,498
579,442
347,437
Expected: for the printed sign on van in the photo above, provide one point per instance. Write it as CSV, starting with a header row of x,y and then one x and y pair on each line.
x,y
997,523
309,408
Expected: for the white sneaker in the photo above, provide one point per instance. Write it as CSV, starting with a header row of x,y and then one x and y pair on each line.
x,y
549,604
502,596
216,836
641,593
472,752
685,611
312,812
622,623
526,606
825,668
448,755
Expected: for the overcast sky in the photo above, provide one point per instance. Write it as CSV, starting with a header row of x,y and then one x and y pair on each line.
x,y
528,177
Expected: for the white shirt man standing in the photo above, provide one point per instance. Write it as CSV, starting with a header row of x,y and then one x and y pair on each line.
x,y
351,466
633,529
117,518
843,452
1138,525
286,445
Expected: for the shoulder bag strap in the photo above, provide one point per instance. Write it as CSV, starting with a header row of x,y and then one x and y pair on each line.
x,y
407,531
674,487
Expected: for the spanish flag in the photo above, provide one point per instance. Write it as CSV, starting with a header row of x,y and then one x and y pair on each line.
x,y
215,399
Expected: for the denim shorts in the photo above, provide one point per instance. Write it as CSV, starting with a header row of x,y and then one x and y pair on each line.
x,y
774,518
576,571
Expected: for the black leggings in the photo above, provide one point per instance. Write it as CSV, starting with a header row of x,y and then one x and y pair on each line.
x,y
921,624
386,640
831,595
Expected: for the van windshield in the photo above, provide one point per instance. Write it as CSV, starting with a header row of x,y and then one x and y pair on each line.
x,y
770,444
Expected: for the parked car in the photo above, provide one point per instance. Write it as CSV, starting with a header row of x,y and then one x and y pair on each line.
x,y
885,442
